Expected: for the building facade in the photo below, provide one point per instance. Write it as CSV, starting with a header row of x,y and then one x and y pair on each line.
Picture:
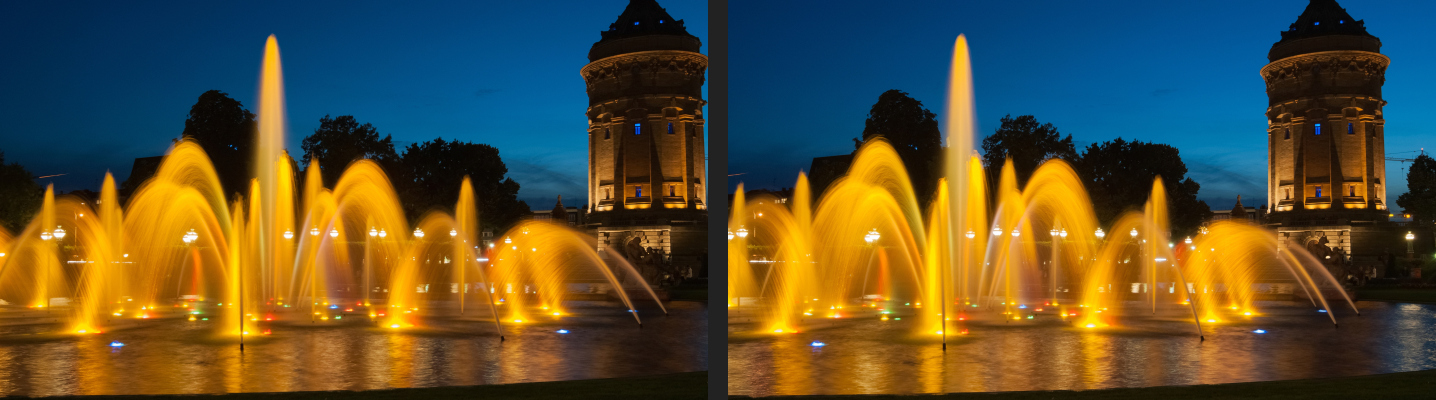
x,y
647,166
1326,178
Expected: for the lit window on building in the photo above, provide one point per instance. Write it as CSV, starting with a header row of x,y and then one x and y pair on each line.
x,y
1318,129
670,128
1353,191
637,129
1350,128
1318,191
638,191
672,189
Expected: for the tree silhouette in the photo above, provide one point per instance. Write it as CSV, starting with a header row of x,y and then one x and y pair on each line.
x,y
913,132
430,174
225,130
1420,197
1028,143
1118,175
20,196
341,140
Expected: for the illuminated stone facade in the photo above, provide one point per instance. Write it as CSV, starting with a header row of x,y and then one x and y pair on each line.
x,y
647,170
1326,177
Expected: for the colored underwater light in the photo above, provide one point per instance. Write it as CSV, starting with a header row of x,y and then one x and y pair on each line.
x,y
1259,331
1320,310
563,331
1022,306
116,344
817,344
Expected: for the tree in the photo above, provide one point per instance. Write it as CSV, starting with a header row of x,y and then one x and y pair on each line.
x,y
1028,143
341,140
1118,175
225,130
20,196
430,174
913,132
1420,197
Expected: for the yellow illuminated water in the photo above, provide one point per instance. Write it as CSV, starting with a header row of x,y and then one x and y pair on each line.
x,y
181,248
869,248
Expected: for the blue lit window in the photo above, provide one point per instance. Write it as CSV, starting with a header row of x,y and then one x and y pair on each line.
x,y
638,191
1317,22
635,23
660,21
1318,132
1318,191
670,128
1350,129
637,129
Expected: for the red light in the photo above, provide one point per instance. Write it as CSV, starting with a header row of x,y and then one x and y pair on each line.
x,y
266,331
964,332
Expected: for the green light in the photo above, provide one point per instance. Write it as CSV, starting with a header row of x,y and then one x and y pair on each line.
x,y
206,319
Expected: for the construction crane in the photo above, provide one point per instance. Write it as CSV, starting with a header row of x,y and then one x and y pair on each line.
x,y
1403,161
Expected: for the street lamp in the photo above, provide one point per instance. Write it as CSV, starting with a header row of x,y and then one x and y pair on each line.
x,y
418,233
1015,232
508,241
453,232
314,232
730,235
996,231
382,233
1134,233
872,236
59,233
742,233
288,234
971,234
334,232
1054,232
373,232
1063,233
1410,245
1100,233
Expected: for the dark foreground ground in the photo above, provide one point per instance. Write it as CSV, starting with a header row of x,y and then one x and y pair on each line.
x,y
687,385
1401,385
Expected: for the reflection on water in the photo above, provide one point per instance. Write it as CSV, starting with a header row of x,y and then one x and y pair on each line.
x,y
177,356
872,356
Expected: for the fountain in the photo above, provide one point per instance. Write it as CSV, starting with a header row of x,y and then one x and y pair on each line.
x,y
983,256
284,258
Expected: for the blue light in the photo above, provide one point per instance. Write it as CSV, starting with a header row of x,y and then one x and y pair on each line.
x,y
817,344
632,310
1022,306
563,331
334,306
116,344
1320,310
1259,331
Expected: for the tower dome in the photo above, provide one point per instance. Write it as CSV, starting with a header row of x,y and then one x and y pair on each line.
x,y
643,26
1323,26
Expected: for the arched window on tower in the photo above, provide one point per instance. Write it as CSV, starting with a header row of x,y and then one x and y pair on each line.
x,y
1352,190
670,128
638,191
606,134
1288,133
1318,133
1350,128
1318,191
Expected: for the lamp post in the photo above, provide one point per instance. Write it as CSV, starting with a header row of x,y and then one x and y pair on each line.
x,y
870,238
44,273
454,233
1057,235
1410,245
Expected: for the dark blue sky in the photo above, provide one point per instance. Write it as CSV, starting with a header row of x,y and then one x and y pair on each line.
x,y
1176,72
86,88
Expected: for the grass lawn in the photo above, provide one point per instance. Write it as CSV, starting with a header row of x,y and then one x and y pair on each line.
x,y
1402,385
687,385
1397,294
